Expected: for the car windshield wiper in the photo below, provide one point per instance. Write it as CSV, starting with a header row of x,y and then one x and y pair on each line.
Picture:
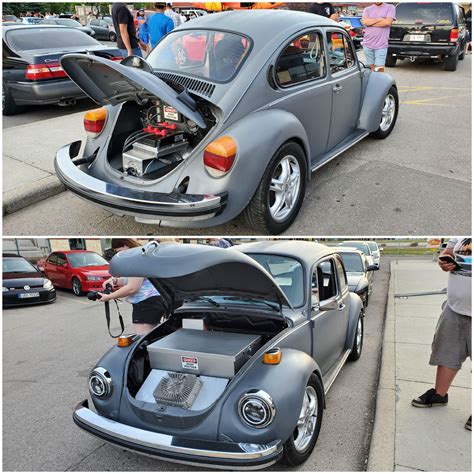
x,y
248,298
203,298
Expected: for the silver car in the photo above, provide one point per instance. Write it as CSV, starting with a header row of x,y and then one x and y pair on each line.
x,y
230,114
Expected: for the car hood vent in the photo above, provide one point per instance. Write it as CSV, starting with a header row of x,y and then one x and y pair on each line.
x,y
197,86
177,389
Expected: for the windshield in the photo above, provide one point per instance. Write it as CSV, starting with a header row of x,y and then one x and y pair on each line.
x,y
26,39
352,262
362,246
86,259
424,13
373,246
212,55
287,272
17,265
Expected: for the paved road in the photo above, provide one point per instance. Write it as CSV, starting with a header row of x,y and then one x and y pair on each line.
x,y
48,352
409,184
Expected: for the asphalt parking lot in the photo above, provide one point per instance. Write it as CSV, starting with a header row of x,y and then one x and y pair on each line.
x,y
409,184
49,350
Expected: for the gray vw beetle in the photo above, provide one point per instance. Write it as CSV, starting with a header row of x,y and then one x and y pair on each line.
x,y
236,376
229,114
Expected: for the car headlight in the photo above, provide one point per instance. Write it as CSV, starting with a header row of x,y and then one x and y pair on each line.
x,y
256,409
100,382
48,284
93,278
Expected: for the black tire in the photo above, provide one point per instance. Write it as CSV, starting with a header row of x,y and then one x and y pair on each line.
x,y
390,61
8,104
356,348
451,62
257,214
112,37
461,56
381,132
292,456
365,300
77,287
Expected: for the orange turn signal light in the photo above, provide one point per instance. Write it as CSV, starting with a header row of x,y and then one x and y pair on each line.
x,y
219,156
125,341
272,357
94,121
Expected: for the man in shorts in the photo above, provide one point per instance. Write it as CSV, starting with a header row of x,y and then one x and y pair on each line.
x,y
377,20
452,340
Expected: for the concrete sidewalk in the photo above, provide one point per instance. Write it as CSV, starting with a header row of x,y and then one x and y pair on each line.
x,y
28,159
406,438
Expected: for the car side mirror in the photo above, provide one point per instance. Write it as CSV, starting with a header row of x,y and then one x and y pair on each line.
x,y
328,305
372,268
65,265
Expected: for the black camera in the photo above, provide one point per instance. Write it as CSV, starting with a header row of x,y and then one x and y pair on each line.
x,y
94,295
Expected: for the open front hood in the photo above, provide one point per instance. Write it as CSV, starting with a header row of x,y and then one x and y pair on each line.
x,y
108,82
184,270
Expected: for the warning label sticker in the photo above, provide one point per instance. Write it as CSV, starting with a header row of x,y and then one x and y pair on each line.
x,y
170,113
189,363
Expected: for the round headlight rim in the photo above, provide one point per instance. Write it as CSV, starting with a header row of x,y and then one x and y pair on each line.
x,y
103,375
262,397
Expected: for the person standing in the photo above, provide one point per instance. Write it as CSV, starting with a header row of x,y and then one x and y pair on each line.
x,y
170,13
159,24
469,29
142,27
127,40
452,340
377,19
324,9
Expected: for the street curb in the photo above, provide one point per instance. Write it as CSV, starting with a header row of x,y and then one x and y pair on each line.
x,y
31,193
382,446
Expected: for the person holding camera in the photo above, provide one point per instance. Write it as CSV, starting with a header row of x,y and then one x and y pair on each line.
x,y
147,304
452,340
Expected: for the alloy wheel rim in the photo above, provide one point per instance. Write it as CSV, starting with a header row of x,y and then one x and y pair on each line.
x,y
307,420
388,112
284,188
75,287
359,336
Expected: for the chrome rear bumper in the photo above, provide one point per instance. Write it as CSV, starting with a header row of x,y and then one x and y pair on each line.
x,y
214,454
169,207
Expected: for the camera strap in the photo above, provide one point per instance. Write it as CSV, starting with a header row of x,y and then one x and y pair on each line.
x,y
107,317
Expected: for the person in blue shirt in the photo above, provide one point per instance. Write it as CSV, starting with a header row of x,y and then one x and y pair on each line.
x,y
142,26
159,24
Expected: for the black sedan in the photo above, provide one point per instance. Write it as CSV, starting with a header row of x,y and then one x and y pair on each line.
x,y
70,23
23,283
32,74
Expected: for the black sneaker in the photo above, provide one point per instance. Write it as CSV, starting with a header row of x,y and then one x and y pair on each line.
x,y
468,424
430,399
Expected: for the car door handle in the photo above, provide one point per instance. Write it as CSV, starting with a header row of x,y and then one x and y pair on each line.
x,y
337,88
341,306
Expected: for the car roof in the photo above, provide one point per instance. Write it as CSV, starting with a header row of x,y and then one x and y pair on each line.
x,y
307,252
11,255
21,26
348,250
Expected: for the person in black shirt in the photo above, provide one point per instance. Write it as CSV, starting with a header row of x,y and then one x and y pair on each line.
x,y
324,9
127,40
469,29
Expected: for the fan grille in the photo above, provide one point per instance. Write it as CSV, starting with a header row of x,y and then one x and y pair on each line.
x,y
179,390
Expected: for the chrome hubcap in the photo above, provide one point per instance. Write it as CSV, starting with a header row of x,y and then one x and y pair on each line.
x,y
307,420
359,335
75,286
284,188
388,112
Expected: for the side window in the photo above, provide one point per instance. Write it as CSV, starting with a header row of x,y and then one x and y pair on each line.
x,y
61,259
301,60
103,24
95,22
53,259
326,277
341,56
342,275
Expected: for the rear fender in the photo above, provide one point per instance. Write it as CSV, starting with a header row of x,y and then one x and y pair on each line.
x,y
285,383
376,90
356,308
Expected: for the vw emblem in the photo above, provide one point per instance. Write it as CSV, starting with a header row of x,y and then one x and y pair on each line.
x,y
26,287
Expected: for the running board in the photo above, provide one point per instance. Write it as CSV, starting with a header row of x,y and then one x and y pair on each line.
x,y
356,136
332,377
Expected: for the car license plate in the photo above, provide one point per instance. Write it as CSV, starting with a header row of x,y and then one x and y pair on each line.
x,y
417,37
29,295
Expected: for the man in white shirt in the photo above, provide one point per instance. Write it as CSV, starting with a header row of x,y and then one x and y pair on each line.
x,y
169,12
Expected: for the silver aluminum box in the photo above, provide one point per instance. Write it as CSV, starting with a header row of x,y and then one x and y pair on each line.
x,y
212,353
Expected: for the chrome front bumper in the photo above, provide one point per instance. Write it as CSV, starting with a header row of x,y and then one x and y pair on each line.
x,y
169,207
214,454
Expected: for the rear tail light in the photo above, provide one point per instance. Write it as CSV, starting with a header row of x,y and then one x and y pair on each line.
x,y
116,58
35,72
219,156
454,35
94,121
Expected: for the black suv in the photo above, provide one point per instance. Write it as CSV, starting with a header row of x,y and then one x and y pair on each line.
x,y
428,30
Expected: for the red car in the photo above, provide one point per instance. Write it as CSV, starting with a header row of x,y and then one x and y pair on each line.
x,y
79,270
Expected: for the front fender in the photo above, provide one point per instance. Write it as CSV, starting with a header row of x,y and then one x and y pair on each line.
x,y
285,383
376,90
356,308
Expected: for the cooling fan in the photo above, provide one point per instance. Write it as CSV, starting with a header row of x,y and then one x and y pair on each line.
x,y
179,390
